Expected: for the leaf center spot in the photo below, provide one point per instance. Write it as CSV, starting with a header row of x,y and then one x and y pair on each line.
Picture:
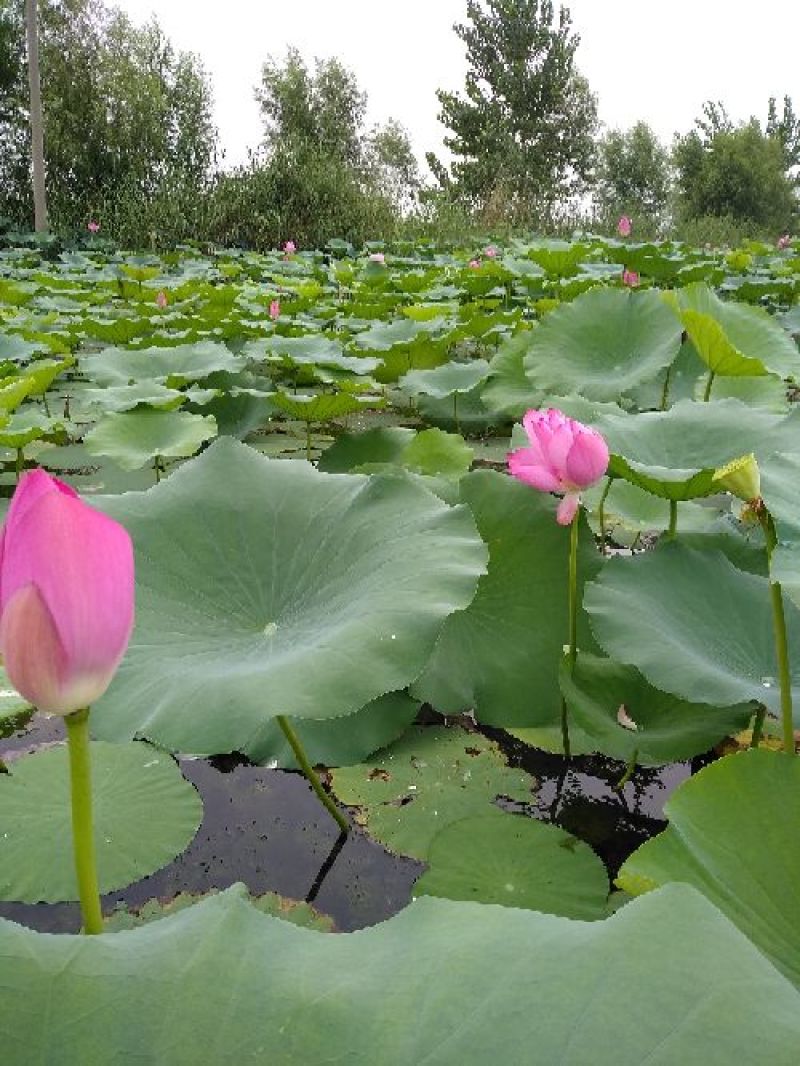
x,y
270,629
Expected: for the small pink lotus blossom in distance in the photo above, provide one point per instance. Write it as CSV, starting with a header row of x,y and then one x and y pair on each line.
x,y
290,247
624,226
93,227
377,257
161,300
630,278
784,242
474,264
563,456
66,595
490,252
274,309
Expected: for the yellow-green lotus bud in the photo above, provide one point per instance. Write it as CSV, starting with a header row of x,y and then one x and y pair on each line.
x,y
741,478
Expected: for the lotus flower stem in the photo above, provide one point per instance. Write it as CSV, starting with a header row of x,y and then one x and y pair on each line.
x,y
673,518
601,513
308,441
82,829
709,383
630,769
308,772
665,390
573,622
779,631
20,463
758,726
455,412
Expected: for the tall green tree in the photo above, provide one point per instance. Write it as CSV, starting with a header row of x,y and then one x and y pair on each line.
x,y
633,174
739,172
127,118
523,131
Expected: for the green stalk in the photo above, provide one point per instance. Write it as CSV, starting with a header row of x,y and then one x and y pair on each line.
x,y
20,463
308,441
82,830
308,772
573,622
601,513
665,390
673,518
455,412
709,383
779,632
758,726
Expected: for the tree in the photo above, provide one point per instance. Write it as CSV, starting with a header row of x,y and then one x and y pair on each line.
x,y
738,173
633,174
36,117
786,130
523,131
125,117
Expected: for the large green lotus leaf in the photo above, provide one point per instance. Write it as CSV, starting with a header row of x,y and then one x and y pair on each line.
x,y
134,438
432,776
435,452
508,389
384,444
190,362
516,862
145,813
27,425
767,392
126,397
13,391
604,343
629,719
324,406
44,372
386,335
442,982
630,512
733,835
675,453
693,624
446,379
339,741
500,657
712,345
265,588
751,336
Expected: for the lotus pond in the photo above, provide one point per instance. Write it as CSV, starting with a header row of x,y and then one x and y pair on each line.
x,y
335,570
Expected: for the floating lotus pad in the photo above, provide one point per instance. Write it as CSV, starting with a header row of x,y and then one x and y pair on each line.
x,y
442,982
265,588
431,777
733,835
133,787
516,861
190,362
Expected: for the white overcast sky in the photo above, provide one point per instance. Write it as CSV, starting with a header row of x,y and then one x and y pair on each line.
x,y
654,61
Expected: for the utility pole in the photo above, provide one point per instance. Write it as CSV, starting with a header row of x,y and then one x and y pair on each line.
x,y
37,122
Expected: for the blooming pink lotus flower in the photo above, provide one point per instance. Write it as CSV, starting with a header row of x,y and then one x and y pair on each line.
x,y
274,309
630,278
161,300
490,252
474,264
564,456
66,595
624,226
377,257
290,247
784,242
93,227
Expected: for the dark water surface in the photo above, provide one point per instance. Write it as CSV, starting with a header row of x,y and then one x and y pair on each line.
x,y
266,828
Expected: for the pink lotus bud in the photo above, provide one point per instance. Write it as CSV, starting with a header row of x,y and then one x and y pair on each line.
x,y
624,226
66,595
784,242
474,264
93,227
290,247
274,309
564,456
377,257
630,278
490,252
161,300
